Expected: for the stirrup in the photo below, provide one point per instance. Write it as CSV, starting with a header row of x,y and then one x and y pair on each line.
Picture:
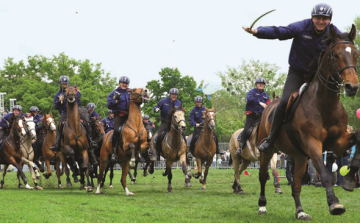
x,y
238,151
189,155
265,145
114,158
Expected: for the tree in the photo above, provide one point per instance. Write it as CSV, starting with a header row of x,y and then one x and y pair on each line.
x,y
171,78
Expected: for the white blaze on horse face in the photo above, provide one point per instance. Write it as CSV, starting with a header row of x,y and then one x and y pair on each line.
x,y
22,127
348,49
52,124
212,122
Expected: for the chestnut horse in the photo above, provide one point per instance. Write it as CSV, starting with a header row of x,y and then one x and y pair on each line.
x,y
319,122
205,146
133,140
249,154
173,146
74,143
10,153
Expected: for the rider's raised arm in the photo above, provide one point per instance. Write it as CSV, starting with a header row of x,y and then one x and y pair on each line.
x,y
159,105
281,32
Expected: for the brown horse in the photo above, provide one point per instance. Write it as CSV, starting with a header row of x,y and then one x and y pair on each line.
x,y
249,154
133,139
173,147
319,122
10,153
75,143
205,146
97,134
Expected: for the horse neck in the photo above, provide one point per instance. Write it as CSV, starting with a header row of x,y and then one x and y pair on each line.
x,y
207,134
27,143
73,118
50,136
135,119
175,136
14,137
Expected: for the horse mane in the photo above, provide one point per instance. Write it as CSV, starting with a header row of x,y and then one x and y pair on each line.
x,y
171,113
314,64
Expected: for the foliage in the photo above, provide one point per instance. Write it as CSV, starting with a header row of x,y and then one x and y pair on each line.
x,y
171,78
35,82
237,82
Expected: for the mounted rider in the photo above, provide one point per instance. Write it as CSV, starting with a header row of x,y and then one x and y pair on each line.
x,y
7,120
109,122
146,121
37,118
118,101
92,112
197,119
257,100
165,106
307,35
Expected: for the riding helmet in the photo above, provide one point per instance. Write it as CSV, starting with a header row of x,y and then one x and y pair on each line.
x,y
34,109
17,107
91,106
110,111
198,99
146,117
124,79
323,10
174,91
64,80
260,80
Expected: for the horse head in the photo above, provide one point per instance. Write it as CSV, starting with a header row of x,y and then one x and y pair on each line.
x,y
149,130
178,118
139,95
71,94
30,127
18,125
210,118
343,55
49,122
98,126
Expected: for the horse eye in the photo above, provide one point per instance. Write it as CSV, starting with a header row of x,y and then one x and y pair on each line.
x,y
336,56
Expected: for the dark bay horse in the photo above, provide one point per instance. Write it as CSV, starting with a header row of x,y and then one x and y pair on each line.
x,y
97,134
173,147
133,140
205,146
10,153
319,122
75,143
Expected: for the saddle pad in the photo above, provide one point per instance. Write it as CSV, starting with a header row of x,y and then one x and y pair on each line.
x,y
189,140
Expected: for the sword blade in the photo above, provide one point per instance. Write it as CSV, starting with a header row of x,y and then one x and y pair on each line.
x,y
252,25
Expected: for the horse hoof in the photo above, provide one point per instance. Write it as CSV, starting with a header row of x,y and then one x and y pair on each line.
x,y
201,181
38,177
60,186
337,209
238,191
151,171
38,188
89,189
132,182
76,180
303,216
262,210
20,186
145,174
130,194
278,190
29,187
348,185
164,174
111,187
46,175
69,184
188,185
1,186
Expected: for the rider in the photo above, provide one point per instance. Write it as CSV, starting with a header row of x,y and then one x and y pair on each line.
x,y
306,45
118,101
257,100
7,120
196,119
165,105
109,122
93,113
37,118
146,121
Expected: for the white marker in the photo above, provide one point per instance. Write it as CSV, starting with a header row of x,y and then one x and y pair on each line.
x,y
348,49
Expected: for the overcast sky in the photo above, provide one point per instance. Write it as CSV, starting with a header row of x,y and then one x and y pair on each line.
x,y
138,38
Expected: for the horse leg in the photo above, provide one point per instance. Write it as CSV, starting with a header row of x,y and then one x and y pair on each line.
x,y
23,177
104,177
131,177
348,181
169,175
101,177
57,167
238,171
67,171
71,154
111,176
147,164
199,167
207,166
48,174
151,169
273,162
263,177
125,169
4,173
300,168
135,172
30,165
133,158
184,169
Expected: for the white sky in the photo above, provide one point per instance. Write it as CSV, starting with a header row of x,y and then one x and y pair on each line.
x,y
138,38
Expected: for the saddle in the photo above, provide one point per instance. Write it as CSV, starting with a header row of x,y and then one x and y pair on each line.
x,y
249,132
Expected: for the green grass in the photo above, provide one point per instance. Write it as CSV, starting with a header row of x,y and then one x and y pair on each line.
x,y
152,203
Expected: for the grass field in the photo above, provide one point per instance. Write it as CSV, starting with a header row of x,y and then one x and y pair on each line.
x,y
152,203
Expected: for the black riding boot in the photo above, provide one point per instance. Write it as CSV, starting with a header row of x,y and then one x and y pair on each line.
x,y
114,156
158,143
241,143
268,143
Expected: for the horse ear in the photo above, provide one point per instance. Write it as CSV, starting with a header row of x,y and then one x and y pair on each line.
x,y
332,33
352,33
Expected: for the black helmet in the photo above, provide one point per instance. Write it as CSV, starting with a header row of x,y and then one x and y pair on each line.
x,y
34,109
174,91
322,9
198,99
110,111
91,106
17,107
124,79
260,80
64,80
146,117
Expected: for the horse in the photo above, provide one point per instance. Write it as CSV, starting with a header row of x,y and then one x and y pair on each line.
x,y
133,140
318,123
74,142
249,154
97,134
173,146
205,146
10,153
147,158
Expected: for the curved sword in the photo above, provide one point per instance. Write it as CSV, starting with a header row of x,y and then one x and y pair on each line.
x,y
260,18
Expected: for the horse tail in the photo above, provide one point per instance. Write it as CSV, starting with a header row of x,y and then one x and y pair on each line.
x,y
230,160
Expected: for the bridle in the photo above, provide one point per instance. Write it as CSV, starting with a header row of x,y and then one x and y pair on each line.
x,y
137,96
177,126
48,126
208,121
338,81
